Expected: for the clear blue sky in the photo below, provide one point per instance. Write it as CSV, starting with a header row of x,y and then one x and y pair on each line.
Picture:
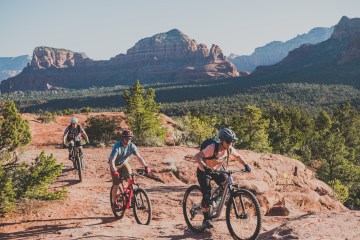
x,y
105,28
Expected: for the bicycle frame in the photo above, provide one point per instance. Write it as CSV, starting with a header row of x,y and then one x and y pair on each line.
x,y
129,190
227,189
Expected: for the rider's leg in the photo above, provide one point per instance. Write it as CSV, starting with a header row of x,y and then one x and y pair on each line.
x,y
220,178
205,186
70,145
114,191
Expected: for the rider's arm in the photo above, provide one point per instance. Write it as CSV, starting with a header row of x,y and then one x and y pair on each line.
x,y
83,133
238,156
140,159
65,135
199,158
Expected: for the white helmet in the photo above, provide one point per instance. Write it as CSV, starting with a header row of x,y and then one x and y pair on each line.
x,y
74,120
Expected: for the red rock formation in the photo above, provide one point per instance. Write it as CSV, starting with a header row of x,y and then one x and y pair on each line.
x,y
164,57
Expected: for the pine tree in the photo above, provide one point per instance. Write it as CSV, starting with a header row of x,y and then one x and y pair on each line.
x,y
143,115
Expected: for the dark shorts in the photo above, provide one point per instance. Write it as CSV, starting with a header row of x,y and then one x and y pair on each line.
x,y
123,170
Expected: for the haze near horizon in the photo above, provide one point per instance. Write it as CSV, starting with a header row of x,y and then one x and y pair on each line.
x,y
105,29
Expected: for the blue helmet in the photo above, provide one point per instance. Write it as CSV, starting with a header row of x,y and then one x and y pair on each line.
x,y
227,134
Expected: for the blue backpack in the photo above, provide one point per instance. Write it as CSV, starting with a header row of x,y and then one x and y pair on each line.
x,y
209,141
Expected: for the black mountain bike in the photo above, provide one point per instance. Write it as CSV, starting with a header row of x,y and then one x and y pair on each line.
x,y
77,159
243,216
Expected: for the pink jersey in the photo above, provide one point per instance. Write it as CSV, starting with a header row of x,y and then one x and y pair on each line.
x,y
217,162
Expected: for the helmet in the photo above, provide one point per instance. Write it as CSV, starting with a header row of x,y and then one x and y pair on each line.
x,y
126,133
227,134
74,120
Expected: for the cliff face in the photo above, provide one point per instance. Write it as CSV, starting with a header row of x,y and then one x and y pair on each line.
x,y
164,57
336,60
11,66
275,51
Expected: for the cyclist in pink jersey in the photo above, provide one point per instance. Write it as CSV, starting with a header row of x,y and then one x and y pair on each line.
x,y
208,163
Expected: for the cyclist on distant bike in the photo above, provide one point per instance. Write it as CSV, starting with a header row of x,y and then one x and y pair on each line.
x,y
118,161
207,163
72,135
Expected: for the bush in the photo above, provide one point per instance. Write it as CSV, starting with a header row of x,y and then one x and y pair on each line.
x,y
102,129
68,111
86,110
341,191
46,117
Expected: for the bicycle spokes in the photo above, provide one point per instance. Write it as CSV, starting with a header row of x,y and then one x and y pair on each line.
x,y
243,216
142,207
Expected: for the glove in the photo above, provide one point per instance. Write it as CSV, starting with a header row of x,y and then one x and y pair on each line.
x,y
116,174
147,170
247,168
208,170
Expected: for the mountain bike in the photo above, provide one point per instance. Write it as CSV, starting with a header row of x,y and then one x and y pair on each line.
x,y
133,197
77,158
243,216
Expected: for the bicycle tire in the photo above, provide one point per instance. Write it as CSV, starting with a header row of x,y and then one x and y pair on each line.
x,y
192,208
79,167
141,202
248,200
120,201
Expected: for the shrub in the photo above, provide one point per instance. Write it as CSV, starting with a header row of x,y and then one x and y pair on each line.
x,y
68,111
102,129
86,110
46,117
341,191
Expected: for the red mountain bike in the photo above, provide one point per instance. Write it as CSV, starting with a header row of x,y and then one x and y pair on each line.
x,y
133,197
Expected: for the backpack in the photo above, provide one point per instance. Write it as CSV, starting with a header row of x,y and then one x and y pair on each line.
x,y
209,141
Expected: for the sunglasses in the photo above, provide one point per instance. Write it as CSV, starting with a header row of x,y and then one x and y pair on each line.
x,y
228,142
127,138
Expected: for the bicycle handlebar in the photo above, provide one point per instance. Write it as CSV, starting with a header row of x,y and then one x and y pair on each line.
x,y
229,172
139,172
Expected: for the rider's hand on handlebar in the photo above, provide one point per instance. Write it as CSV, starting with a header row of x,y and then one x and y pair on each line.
x,y
147,170
247,168
116,174
208,169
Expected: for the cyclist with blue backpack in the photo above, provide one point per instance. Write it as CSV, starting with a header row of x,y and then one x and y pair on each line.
x,y
212,156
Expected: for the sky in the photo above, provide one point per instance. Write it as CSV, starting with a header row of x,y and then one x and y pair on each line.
x,y
105,28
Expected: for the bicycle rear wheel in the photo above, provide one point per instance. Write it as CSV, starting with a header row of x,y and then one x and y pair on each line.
x,y
120,202
142,207
192,209
243,216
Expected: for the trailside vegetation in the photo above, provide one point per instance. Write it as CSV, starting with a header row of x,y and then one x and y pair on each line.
x,y
142,116
19,180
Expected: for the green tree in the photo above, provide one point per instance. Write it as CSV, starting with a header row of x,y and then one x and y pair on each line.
x,y
199,127
142,115
251,129
14,132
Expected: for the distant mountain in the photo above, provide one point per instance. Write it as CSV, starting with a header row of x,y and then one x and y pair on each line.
x,y
275,51
164,57
336,60
11,66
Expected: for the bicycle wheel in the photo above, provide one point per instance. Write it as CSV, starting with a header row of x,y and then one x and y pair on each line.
x,y
243,216
192,209
78,166
142,207
121,202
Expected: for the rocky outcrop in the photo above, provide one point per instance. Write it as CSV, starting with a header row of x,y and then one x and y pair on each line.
x,y
164,57
275,51
46,58
334,61
11,66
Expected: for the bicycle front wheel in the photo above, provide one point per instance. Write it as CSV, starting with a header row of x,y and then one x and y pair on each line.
x,y
142,207
78,164
243,216
120,202
192,209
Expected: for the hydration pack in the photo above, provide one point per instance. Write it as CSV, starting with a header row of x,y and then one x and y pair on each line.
x,y
209,141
